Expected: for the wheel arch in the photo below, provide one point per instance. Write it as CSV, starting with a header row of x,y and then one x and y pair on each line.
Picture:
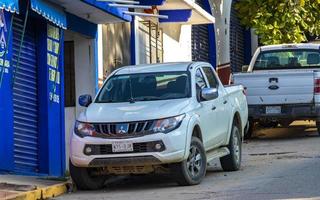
x,y
236,117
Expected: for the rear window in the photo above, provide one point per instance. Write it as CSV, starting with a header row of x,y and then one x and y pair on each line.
x,y
288,59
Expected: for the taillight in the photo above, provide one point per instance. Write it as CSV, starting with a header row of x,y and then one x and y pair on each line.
x,y
244,91
317,86
231,80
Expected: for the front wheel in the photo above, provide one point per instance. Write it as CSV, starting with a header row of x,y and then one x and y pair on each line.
x,y
192,170
232,162
86,178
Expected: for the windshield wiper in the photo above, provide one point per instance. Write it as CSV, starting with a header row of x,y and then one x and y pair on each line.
x,y
146,98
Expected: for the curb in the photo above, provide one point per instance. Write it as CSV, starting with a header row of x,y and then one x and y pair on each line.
x,y
41,193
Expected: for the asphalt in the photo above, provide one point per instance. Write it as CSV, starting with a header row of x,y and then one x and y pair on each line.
x,y
277,164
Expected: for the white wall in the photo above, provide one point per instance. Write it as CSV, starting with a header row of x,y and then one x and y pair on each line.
x,y
85,74
177,49
221,10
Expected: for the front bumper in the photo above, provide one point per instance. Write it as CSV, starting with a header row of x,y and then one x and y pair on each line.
x,y
291,111
174,142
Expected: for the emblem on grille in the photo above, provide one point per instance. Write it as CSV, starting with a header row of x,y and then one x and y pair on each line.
x,y
122,128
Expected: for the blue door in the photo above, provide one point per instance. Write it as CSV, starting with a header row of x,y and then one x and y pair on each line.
x,y
25,100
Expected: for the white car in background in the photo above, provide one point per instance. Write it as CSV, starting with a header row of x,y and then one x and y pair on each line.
x,y
163,118
283,85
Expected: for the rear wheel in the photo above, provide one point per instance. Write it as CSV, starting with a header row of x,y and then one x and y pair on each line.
x,y
192,170
249,130
232,162
86,178
318,127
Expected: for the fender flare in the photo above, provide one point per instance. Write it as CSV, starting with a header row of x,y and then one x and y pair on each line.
x,y
193,122
234,113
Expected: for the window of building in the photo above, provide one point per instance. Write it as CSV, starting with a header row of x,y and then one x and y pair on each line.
x,y
151,43
69,75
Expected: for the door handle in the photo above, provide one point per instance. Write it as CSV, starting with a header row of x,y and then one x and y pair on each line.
x,y
213,108
225,102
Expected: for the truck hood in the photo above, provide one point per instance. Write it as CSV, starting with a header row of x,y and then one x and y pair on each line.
x,y
138,111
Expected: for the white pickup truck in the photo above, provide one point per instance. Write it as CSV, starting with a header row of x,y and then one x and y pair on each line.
x,y
282,84
164,118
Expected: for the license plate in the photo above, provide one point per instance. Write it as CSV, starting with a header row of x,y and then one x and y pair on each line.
x,y
118,147
273,109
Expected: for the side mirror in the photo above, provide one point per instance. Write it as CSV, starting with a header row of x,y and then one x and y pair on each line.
x,y
85,100
245,68
209,93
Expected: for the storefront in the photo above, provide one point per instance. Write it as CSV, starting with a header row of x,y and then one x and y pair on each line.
x,y
35,35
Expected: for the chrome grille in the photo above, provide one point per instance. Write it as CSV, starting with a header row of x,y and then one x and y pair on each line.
x,y
134,129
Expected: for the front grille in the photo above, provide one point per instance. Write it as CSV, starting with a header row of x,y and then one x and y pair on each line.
x,y
132,129
105,149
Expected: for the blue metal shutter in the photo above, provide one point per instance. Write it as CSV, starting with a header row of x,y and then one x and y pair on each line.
x,y
200,40
25,100
237,31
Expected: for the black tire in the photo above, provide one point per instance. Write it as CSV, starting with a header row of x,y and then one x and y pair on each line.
x,y
249,133
318,127
84,178
192,170
232,162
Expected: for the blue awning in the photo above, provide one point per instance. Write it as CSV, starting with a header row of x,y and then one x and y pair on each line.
x,y
10,5
51,12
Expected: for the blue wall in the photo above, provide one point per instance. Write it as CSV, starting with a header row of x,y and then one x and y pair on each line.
x,y
212,36
51,121
6,105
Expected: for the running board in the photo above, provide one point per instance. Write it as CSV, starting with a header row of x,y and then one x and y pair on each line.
x,y
217,153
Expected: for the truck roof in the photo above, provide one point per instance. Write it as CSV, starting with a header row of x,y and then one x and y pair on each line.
x,y
160,67
290,46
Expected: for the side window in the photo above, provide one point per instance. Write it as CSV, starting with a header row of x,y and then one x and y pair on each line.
x,y
200,84
200,81
211,77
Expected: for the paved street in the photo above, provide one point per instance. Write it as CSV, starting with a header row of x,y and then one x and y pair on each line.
x,y
277,164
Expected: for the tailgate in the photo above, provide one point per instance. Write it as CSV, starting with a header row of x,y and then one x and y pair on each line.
x,y
277,87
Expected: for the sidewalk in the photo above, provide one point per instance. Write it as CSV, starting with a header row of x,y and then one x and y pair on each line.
x,y
13,187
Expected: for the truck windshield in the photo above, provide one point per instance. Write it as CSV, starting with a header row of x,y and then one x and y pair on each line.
x,y
145,87
288,59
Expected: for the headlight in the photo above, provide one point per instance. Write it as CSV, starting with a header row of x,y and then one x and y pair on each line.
x,y
167,125
83,129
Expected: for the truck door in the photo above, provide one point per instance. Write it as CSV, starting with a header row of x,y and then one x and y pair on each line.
x,y
221,123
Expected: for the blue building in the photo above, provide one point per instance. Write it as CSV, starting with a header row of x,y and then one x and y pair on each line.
x,y
33,34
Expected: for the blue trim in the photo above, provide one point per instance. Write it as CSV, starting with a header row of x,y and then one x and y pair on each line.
x,y
180,15
10,5
62,114
212,36
133,42
247,46
152,2
81,26
50,11
96,63
104,6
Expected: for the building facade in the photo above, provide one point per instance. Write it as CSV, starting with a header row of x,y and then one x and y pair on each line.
x,y
48,58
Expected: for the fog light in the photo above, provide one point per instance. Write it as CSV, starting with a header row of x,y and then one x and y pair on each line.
x,y
158,146
88,150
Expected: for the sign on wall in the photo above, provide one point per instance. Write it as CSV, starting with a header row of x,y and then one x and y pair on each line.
x,y
4,59
53,52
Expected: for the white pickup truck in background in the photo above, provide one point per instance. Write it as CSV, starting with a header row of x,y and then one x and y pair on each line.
x,y
282,84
